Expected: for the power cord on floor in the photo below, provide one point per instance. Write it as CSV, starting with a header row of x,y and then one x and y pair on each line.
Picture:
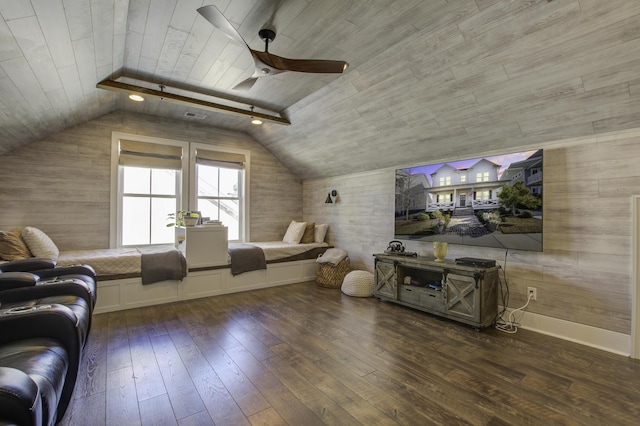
x,y
509,325
503,288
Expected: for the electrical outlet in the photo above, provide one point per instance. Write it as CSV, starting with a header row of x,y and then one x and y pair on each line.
x,y
532,292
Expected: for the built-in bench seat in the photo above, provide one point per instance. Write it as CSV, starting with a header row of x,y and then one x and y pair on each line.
x,y
121,285
135,277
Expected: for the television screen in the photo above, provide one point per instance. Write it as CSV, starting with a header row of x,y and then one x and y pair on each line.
x,y
491,201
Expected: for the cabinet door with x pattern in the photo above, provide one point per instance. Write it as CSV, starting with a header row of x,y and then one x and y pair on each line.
x,y
463,296
386,284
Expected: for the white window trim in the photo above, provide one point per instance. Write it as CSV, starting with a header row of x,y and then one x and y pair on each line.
x,y
114,204
244,208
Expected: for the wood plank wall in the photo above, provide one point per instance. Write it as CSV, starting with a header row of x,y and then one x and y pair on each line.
x,y
61,184
584,273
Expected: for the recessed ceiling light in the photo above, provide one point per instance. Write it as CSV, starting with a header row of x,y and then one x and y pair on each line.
x,y
255,120
136,98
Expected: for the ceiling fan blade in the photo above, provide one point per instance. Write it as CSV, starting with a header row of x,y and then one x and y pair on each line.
x,y
246,84
266,63
321,66
217,19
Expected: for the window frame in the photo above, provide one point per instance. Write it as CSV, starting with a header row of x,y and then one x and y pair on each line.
x,y
117,190
244,211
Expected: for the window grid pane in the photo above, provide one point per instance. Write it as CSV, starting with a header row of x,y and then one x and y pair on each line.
x,y
137,180
163,182
145,213
219,197
160,210
135,220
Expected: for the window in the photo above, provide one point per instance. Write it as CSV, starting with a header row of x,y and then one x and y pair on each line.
x,y
463,178
482,177
445,180
148,196
153,177
219,187
443,198
147,185
482,195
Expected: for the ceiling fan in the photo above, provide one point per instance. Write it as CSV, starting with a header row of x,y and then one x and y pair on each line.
x,y
266,63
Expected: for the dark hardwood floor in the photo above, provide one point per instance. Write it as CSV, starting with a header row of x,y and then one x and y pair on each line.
x,y
304,355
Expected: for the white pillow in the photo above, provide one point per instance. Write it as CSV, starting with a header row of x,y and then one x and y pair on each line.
x,y
39,243
320,232
294,232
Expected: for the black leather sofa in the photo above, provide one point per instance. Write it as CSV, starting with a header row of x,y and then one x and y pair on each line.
x,y
45,318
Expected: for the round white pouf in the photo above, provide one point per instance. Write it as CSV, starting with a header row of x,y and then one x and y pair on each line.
x,y
358,284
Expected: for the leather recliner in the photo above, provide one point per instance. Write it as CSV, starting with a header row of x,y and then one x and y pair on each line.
x,y
23,289
20,400
44,352
47,270
40,354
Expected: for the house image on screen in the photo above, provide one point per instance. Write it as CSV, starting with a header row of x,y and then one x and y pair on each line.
x,y
475,187
411,192
528,171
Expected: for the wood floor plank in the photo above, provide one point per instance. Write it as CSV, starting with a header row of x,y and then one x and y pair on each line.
x,y
145,368
122,401
220,404
267,417
157,411
328,411
426,387
349,400
399,410
95,404
239,386
200,419
305,355
153,317
118,350
290,408
183,395
248,340
94,361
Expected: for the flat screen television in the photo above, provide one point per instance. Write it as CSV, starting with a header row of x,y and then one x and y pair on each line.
x,y
493,201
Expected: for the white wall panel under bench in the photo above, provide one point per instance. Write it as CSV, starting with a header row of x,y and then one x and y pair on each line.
x,y
127,293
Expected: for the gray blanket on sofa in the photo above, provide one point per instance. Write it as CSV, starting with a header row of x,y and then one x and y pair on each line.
x,y
162,265
245,258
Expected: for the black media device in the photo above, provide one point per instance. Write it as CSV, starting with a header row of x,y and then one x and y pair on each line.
x,y
473,261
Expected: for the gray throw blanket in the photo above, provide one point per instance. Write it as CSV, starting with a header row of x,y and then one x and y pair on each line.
x,y
245,258
164,265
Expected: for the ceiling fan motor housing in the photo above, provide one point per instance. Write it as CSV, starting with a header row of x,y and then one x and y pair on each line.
x,y
267,35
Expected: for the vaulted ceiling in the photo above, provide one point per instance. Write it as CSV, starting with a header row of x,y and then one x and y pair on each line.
x,y
427,79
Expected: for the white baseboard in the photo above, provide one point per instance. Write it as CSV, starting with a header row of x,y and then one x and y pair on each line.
x,y
599,338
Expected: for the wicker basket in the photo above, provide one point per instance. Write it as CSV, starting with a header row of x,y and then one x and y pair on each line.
x,y
331,276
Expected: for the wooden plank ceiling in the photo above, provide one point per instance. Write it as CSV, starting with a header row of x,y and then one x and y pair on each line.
x,y
427,80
